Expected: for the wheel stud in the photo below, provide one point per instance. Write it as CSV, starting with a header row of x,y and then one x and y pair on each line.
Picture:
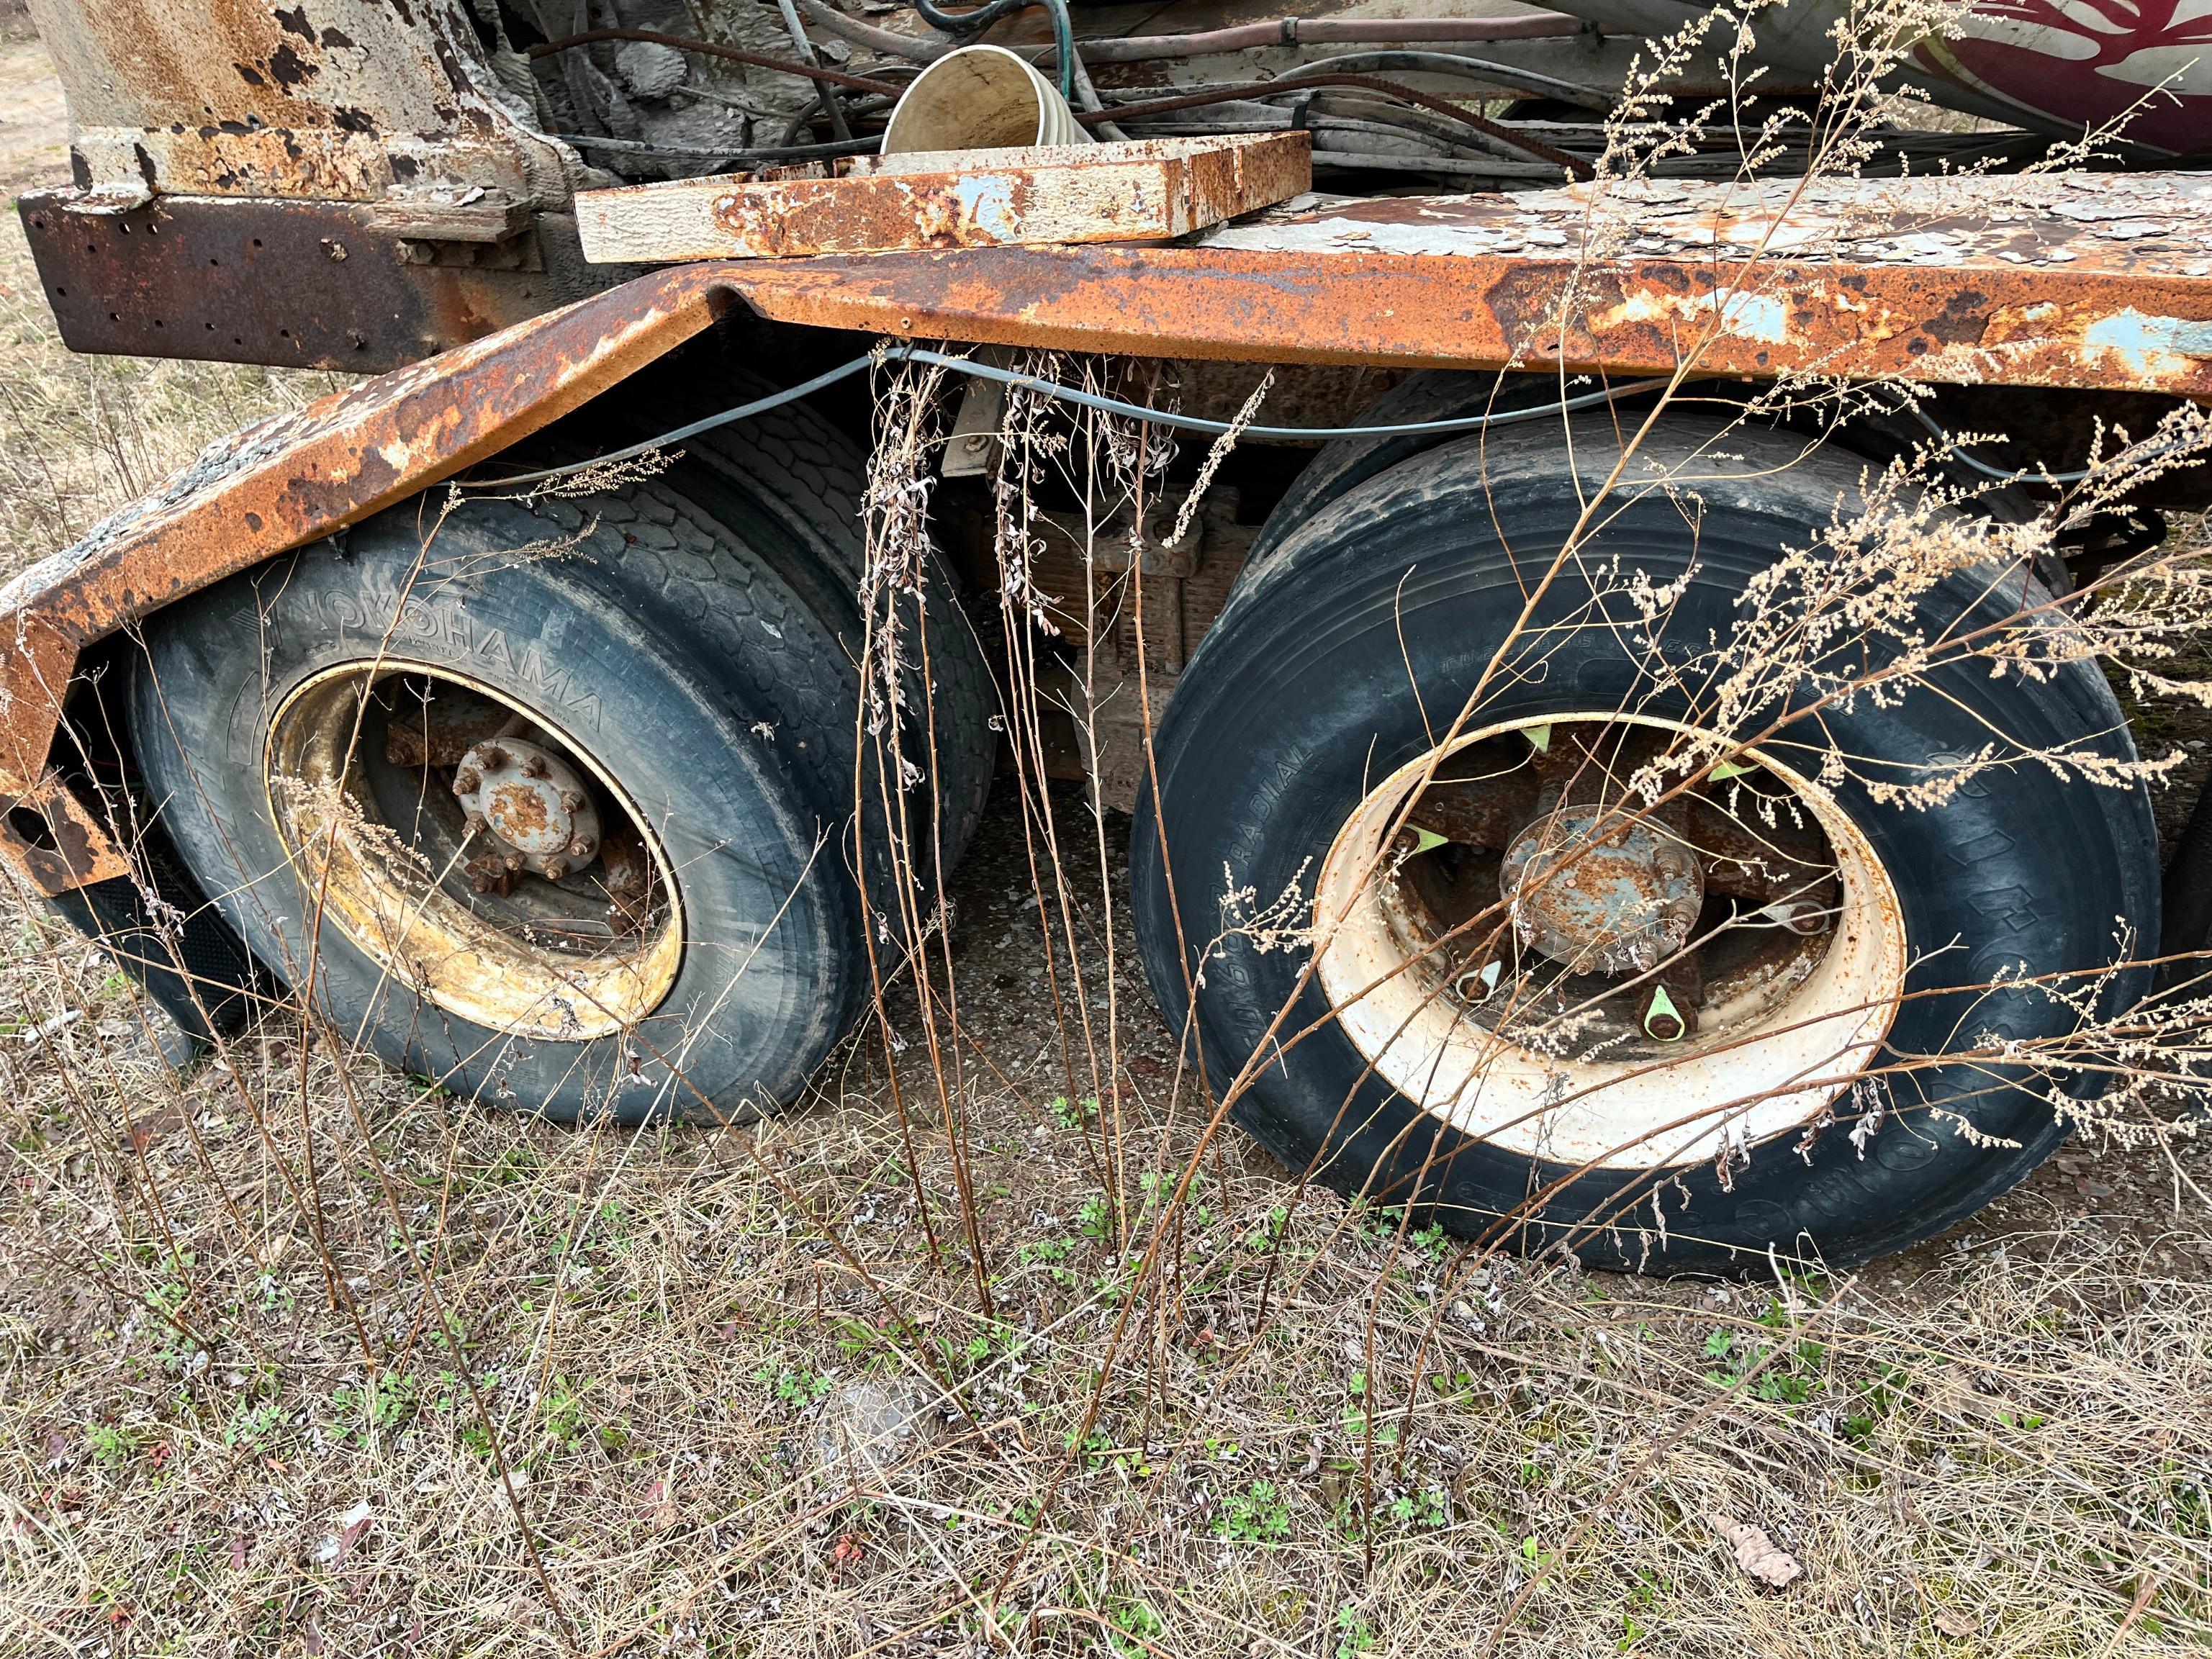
x,y
533,766
579,848
555,869
1662,1021
572,800
473,824
467,781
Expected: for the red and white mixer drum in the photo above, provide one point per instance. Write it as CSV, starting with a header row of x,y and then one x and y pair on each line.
x,y
2145,64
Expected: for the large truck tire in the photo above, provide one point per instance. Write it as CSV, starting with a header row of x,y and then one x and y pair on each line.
x,y
548,811
1767,1049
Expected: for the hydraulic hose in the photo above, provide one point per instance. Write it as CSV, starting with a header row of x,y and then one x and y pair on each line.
x,y
1543,152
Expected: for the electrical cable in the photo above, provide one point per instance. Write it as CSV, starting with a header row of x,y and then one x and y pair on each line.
x,y
1055,390
1465,68
1316,31
773,153
839,130
1275,32
2034,475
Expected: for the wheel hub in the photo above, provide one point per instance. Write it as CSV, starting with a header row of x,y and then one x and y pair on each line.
x,y
1658,983
532,802
397,786
1600,901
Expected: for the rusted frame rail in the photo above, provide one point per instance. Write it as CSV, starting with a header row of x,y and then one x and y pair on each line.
x,y
2102,283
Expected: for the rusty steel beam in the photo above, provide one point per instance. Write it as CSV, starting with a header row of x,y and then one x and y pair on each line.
x,y
2078,281
279,484
1150,189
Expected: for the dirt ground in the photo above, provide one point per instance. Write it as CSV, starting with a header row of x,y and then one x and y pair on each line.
x,y
299,1357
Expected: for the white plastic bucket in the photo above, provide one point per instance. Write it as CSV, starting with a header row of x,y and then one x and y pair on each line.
x,y
981,98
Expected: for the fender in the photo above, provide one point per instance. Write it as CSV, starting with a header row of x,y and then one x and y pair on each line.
x,y
277,485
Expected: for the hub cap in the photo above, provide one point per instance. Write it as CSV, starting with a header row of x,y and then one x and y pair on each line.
x,y
533,802
1517,938
1607,902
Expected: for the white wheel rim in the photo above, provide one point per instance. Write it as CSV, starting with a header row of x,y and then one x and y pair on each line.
x,y
1730,1087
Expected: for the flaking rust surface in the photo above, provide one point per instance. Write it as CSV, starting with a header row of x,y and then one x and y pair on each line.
x,y
2066,280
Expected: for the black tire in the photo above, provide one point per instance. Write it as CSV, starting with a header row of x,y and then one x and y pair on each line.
x,y
1302,697
770,972
1442,394
792,485
1344,464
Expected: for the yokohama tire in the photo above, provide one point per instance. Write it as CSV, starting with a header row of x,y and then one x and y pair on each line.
x,y
1302,698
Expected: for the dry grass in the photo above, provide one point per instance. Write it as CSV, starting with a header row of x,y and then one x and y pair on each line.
x,y
270,1332
2002,1445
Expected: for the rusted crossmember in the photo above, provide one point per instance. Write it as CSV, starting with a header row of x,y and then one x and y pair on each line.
x,y
2065,281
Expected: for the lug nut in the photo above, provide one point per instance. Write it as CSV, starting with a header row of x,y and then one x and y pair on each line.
x,y
511,863
467,781
555,869
492,756
533,766
581,848
474,824
572,800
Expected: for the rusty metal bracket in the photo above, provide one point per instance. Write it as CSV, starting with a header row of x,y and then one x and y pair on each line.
x,y
354,286
49,835
283,482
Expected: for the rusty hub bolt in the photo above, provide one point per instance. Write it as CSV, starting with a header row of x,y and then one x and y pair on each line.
x,y
534,802
1623,897
474,824
467,781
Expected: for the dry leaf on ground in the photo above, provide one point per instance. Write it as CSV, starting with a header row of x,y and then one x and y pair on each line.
x,y
1758,1555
